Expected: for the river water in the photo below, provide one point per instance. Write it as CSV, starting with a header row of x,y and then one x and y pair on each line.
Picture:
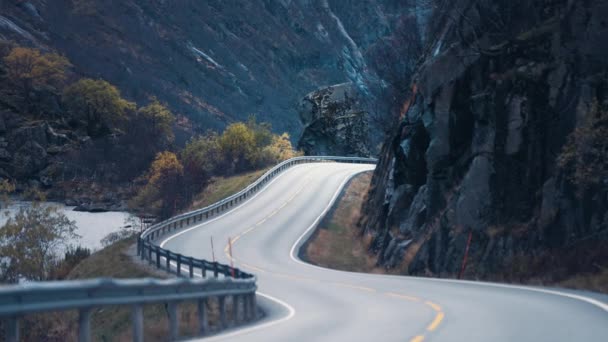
x,y
92,227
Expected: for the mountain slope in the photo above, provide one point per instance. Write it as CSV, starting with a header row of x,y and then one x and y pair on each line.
x,y
214,61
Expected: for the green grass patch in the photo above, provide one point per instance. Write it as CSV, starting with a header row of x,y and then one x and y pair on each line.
x,y
222,187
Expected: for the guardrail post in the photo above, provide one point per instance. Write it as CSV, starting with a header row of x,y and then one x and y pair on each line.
x,y
246,308
173,325
179,264
252,306
215,269
150,253
84,325
191,267
168,260
236,309
203,323
138,323
157,257
143,250
222,304
12,329
204,270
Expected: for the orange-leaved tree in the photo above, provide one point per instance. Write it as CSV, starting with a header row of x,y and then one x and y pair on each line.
x,y
28,69
163,191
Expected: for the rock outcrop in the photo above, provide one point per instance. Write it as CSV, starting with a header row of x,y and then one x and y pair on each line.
x,y
48,155
334,123
500,90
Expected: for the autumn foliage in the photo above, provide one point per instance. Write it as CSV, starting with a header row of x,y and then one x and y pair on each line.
x,y
173,180
29,68
584,158
136,140
97,105
164,182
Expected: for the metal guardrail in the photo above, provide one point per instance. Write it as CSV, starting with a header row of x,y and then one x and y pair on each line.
x,y
213,210
16,301
175,262
164,258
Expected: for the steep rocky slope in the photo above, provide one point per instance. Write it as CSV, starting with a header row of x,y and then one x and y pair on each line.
x,y
485,146
214,61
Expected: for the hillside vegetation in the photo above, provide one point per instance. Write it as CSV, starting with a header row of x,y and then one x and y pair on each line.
x,y
173,179
58,129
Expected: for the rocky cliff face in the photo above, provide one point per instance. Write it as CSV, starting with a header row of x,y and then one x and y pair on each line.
x,y
51,156
479,143
214,61
334,123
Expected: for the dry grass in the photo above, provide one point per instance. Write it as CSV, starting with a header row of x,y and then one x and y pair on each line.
x,y
113,323
597,282
337,243
222,187
582,266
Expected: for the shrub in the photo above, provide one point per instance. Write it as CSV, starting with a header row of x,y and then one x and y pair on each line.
x,y
584,157
96,105
30,241
164,185
28,70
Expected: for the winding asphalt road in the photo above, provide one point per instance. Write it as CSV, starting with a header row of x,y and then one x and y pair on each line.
x,y
308,303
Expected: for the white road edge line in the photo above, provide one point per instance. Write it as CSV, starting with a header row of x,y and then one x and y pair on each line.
x,y
306,234
289,308
588,300
310,229
247,330
226,213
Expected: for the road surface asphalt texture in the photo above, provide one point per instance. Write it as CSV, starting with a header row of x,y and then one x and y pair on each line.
x,y
303,302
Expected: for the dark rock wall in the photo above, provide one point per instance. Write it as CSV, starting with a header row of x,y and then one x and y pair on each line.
x,y
501,86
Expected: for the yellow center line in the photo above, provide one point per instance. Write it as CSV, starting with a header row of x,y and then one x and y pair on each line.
x,y
400,296
433,305
420,338
293,277
253,267
436,321
356,287
248,230
262,221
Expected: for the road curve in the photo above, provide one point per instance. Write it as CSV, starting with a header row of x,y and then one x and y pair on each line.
x,y
308,303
